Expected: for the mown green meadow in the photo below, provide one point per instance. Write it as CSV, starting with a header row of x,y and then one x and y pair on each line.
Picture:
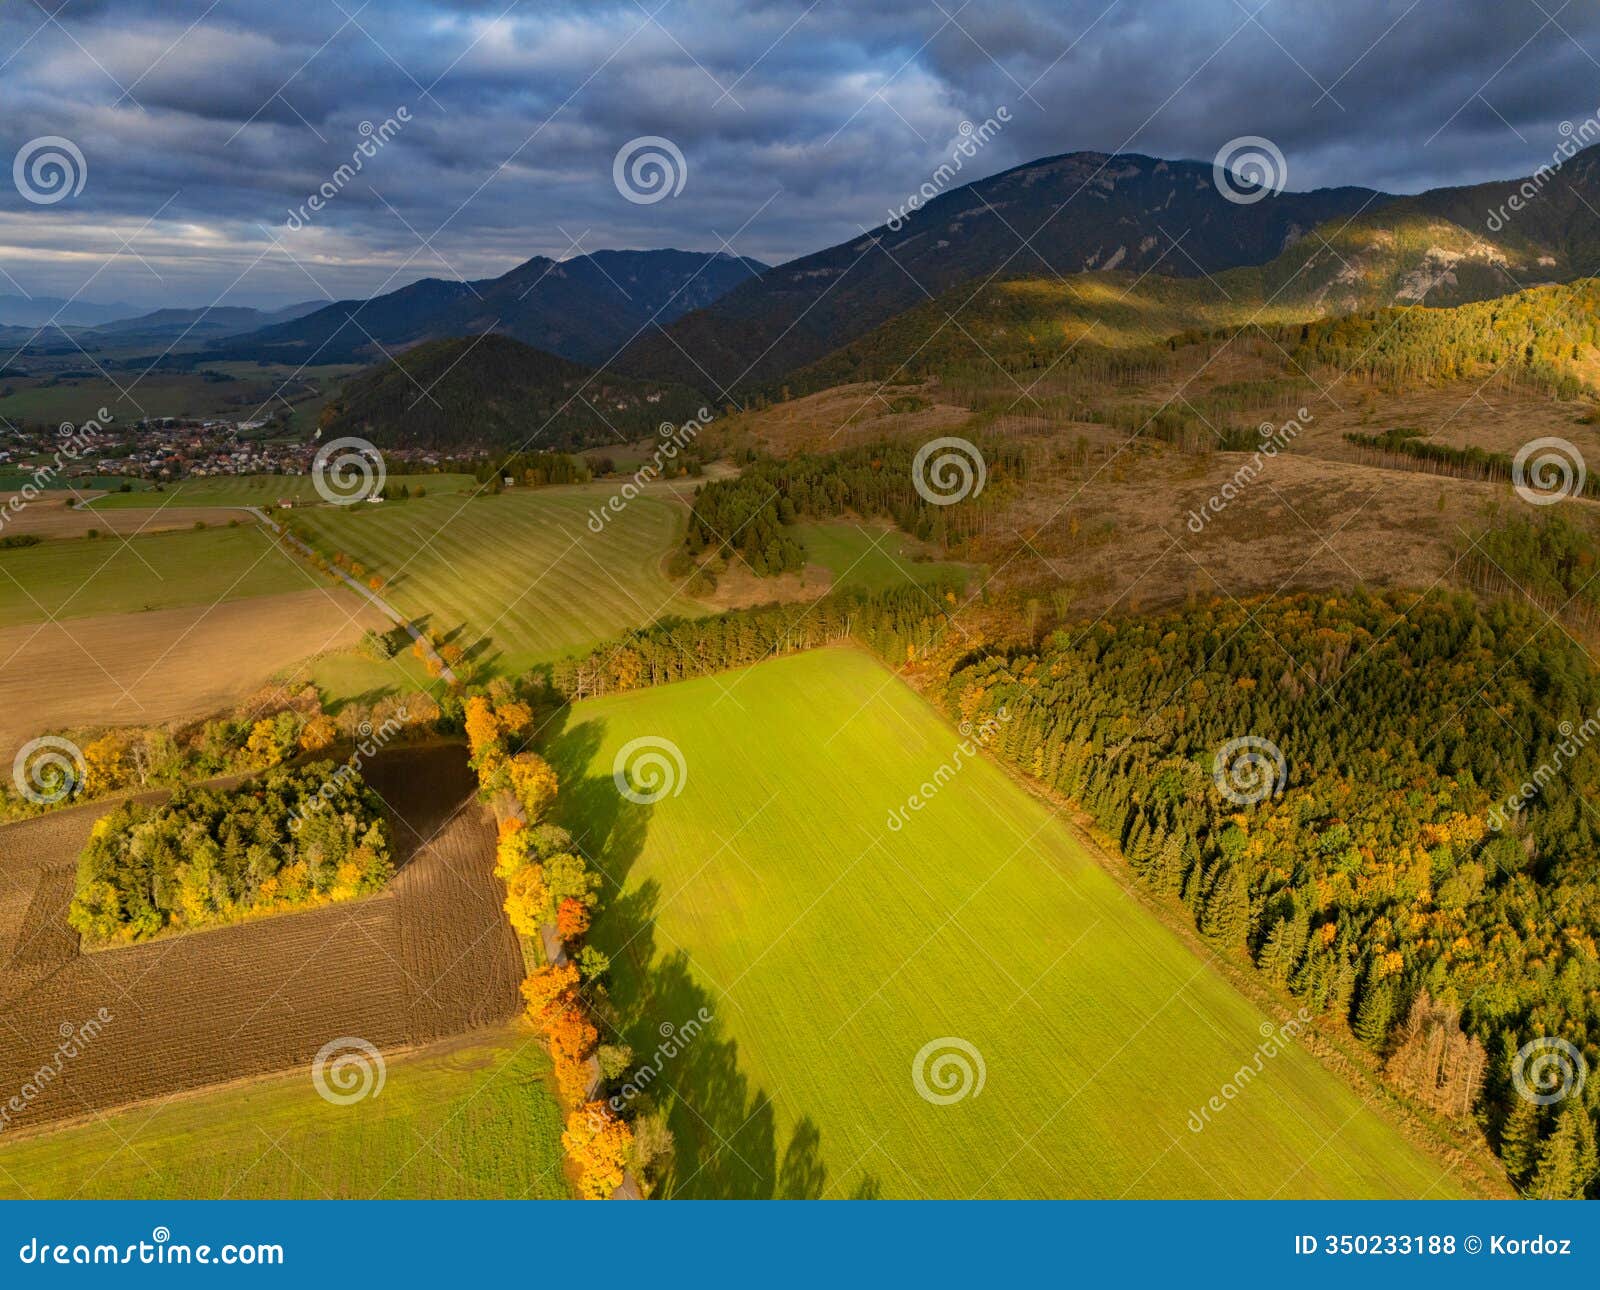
x,y
519,577
840,960
474,1120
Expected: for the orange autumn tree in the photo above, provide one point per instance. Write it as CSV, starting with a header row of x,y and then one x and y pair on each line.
x,y
572,1081
570,1032
572,918
598,1143
549,988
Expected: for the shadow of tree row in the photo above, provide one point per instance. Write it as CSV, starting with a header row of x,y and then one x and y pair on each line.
x,y
725,1129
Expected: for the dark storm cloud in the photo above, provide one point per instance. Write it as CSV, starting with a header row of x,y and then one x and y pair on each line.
x,y
205,125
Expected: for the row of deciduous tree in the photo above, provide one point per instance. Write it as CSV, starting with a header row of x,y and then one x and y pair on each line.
x,y
551,890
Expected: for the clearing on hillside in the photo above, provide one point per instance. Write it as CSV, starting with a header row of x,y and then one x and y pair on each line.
x,y
841,961
871,556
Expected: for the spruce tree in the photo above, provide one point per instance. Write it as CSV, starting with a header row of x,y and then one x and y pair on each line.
x,y
1375,1014
1277,955
1225,913
1167,870
1558,1176
1519,1140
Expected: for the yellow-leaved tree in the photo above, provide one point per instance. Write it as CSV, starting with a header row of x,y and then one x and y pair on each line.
x,y
534,783
526,899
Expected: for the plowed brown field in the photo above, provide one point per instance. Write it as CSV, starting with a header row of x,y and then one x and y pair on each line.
x,y
166,664
432,956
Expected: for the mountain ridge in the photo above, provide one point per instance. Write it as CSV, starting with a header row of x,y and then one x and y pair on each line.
x,y
583,309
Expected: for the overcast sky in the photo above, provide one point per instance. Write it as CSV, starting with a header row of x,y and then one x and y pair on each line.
x,y
204,125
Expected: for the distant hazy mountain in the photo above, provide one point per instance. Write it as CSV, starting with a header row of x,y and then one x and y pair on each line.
x,y
199,324
20,311
584,309
1061,215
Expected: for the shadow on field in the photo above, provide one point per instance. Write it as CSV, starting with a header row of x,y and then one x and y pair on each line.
x,y
725,1130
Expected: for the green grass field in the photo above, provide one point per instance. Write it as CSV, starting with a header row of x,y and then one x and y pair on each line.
x,y
84,577
475,1122
830,950
873,558
522,569
258,490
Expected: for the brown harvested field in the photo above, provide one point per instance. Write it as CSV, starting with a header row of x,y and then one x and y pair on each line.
x,y
165,664
431,957
52,516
